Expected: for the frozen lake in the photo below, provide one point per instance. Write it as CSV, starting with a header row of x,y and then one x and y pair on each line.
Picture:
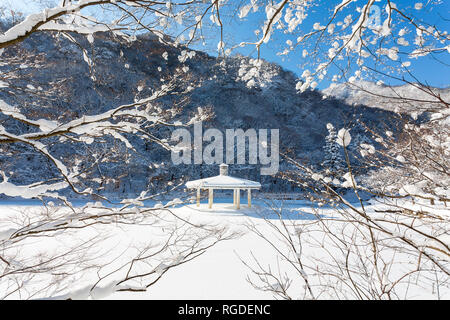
x,y
220,272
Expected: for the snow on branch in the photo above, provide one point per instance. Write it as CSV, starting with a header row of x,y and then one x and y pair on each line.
x,y
35,21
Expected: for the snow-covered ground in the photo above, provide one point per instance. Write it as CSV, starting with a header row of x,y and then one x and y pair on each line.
x,y
219,273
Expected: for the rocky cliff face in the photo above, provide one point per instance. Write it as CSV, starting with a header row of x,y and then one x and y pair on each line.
x,y
47,78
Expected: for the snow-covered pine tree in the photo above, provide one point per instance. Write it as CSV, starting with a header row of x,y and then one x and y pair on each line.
x,y
333,163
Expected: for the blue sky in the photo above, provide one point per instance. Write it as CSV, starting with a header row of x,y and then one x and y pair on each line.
x,y
427,69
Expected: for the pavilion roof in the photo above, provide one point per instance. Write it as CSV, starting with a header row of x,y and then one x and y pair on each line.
x,y
223,182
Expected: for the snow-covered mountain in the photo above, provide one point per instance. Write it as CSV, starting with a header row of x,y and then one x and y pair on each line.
x,y
49,75
379,95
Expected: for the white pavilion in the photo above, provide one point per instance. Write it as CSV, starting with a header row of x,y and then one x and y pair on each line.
x,y
224,181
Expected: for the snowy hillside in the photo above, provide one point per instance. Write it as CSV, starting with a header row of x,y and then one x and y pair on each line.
x,y
123,72
378,95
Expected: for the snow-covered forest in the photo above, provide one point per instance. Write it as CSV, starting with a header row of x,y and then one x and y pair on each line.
x,y
93,207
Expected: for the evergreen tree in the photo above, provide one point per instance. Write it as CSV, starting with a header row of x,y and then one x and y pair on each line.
x,y
333,163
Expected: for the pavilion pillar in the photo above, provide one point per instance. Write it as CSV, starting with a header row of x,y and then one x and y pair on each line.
x,y
238,198
210,198
198,197
234,197
249,197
